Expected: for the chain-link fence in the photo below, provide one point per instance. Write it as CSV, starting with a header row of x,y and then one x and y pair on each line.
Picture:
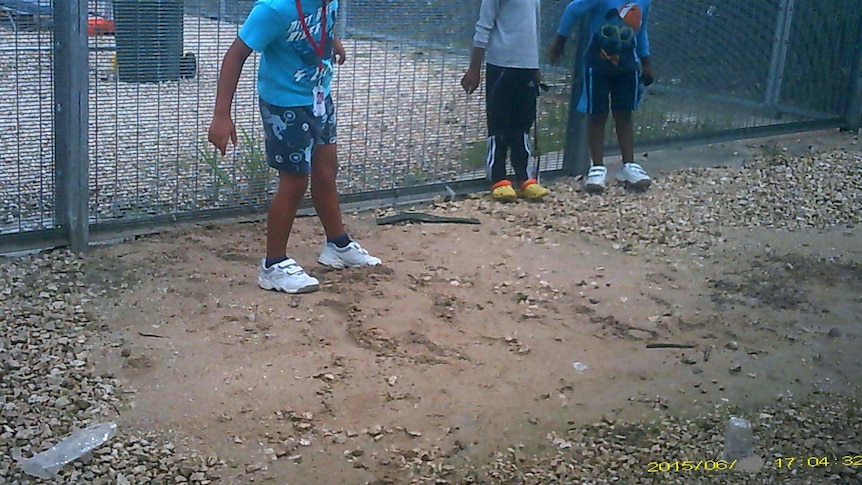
x,y
405,125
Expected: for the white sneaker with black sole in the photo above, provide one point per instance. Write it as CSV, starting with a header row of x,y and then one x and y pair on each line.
x,y
286,276
633,175
350,256
595,181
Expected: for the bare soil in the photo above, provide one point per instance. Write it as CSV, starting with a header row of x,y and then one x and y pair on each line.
x,y
469,339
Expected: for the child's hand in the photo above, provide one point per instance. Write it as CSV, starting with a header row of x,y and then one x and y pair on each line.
x,y
647,75
470,81
338,51
558,46
221,131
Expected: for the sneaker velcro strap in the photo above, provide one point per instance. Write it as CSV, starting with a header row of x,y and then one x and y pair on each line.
x,y
290,267
637,168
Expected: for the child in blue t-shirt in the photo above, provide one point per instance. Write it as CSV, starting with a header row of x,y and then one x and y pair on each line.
x,y
297,46
615,68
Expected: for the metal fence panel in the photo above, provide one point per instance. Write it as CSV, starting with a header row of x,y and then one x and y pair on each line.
x,y
404,122
150,119
26,117
821,56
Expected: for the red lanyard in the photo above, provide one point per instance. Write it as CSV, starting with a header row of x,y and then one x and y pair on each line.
x,y
319,47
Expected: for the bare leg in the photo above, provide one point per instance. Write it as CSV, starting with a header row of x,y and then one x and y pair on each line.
x,y
596,137
282,212
324,190
625,134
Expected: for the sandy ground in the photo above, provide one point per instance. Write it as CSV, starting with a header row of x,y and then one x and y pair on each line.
x,y
472,339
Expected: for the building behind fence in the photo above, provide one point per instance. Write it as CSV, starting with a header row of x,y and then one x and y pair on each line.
x,y
105,130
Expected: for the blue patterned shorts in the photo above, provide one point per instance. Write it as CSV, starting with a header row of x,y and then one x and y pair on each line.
x,y
292,133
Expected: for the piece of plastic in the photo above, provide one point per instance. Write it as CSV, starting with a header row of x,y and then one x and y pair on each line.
x,y
47,463
738,439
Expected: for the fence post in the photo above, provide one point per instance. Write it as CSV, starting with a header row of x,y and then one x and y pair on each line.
x,y
341,27
853,113
576,155
778,60
71,123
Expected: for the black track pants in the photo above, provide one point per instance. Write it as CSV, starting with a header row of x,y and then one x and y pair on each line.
x,y
510,102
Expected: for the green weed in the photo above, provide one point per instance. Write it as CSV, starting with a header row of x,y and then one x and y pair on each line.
x,y
249,174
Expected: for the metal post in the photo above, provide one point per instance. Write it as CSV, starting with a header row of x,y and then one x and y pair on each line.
x,y
853,113
341,27
71,123
576,155
779,53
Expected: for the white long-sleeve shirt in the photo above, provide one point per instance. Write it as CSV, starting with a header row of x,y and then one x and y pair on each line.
x,y
508,30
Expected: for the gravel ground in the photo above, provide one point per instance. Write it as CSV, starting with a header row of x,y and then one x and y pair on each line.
x,y
828,428
48,385
686,209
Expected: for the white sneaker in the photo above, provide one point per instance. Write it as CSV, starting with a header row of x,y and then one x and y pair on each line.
x,y
634,175
350,256
595,181
286,276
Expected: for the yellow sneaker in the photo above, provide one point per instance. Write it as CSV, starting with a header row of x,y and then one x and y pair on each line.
x,y
532,190
503,191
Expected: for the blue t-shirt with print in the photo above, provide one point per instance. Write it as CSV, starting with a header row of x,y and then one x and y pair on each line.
x,y
618,32
289,66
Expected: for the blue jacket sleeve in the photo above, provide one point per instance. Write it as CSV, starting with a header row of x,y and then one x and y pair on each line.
x,y
573,11
262,26
643,36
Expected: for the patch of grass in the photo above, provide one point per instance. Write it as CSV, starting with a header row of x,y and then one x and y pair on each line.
x,y
416,176
250,174
474,155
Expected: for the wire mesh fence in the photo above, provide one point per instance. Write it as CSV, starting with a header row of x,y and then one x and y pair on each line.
x,y
404,121
26,114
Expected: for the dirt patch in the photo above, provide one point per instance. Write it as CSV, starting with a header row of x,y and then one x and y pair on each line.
x,y
460,342
474,350
785,282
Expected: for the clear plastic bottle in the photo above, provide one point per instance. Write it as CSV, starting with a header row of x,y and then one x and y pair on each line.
x,y
738,439
47,463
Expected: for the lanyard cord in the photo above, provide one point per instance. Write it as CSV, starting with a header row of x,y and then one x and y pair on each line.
x,y
319,47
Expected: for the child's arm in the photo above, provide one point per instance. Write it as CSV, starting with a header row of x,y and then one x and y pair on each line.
x,y
222,128
574,10
338,51
643,50
487,20
472,77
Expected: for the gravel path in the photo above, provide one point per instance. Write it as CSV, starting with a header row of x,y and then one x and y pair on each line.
x,y
48,384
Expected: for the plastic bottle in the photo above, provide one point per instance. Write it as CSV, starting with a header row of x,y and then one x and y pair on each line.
x,y
738,439
47,463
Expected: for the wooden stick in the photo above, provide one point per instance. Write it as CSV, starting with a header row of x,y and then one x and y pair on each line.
x,y
671,346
